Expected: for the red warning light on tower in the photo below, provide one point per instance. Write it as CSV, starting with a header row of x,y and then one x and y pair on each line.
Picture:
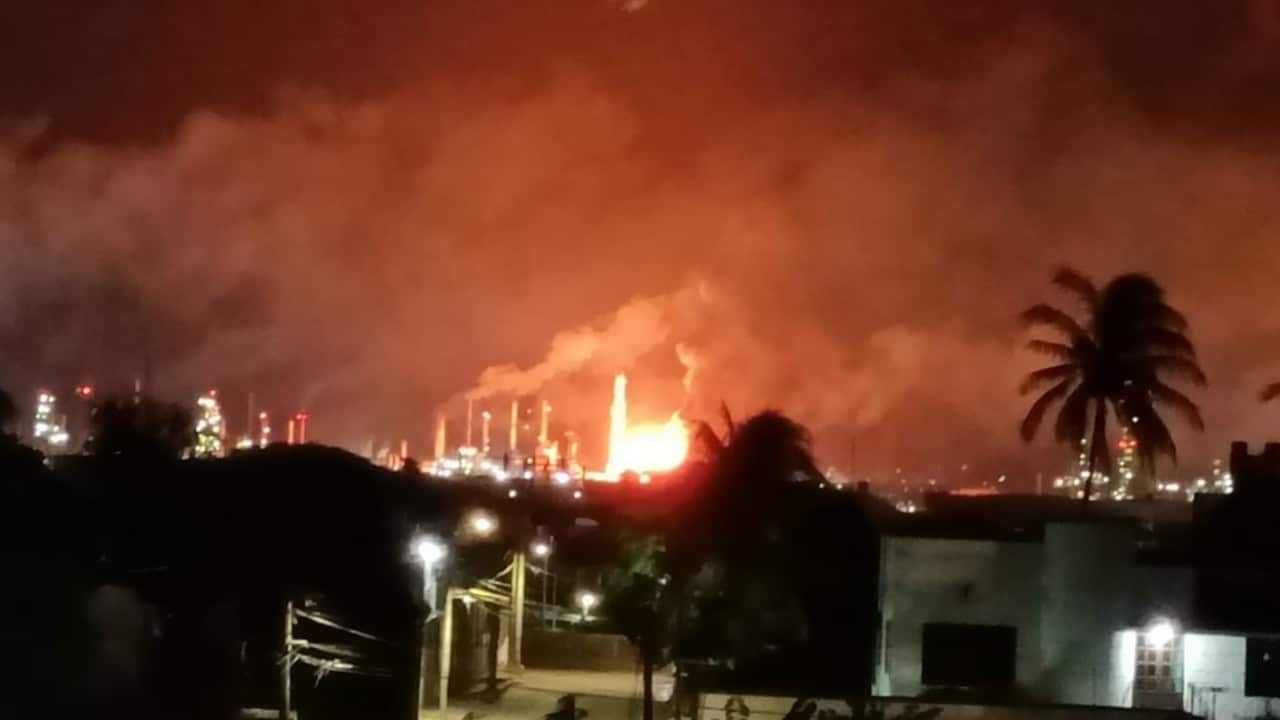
x,y
84,390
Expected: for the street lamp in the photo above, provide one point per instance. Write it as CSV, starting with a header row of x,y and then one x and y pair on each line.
x,y
430,552
542,549
1160,632
587,600
482,524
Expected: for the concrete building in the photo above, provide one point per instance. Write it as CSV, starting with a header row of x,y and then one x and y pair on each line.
x,y
1094,609
1037,615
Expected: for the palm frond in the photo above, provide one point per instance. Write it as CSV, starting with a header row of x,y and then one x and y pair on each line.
x,y
1183,405
1073,417
1031,423
1170,318
1168,341
1077,284
729,425
1045,376
1056,350
1152,434
1041,314
1179,366
706,438
1270,392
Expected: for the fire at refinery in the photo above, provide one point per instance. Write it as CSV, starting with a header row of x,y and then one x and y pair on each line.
x,y
641,448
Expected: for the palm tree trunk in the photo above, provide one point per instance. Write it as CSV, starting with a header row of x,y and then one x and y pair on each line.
x,y
1098,437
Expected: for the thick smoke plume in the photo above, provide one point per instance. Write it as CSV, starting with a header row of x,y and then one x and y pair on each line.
x,y
836,216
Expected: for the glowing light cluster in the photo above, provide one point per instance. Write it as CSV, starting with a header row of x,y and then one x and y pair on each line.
x,y
210,426
48,426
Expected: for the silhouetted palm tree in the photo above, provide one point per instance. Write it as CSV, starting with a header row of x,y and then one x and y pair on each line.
x,y
1129,343
766,448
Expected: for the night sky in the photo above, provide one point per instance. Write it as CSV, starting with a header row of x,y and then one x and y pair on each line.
x,y
836,208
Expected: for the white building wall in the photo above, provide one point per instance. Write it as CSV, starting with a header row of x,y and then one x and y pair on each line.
x,y
1088,572
1074,599
1124,665
1213,679
954,581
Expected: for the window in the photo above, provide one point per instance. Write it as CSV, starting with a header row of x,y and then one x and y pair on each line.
x,y
969,655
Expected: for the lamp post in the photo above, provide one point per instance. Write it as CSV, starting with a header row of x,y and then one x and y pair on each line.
x,y
446,651
515,639
587,600
430,552
542,549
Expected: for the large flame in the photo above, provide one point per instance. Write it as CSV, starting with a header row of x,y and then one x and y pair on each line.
x,y
652,448
642,448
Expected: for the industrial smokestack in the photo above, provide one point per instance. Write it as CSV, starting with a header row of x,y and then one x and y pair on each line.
x,y
440,446
617,425
291,429
542,424
513,441
302,417
470,404
485,416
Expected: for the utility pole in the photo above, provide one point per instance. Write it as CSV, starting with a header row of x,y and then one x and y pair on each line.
x,y
446,651
286,662
555,594
424,648
516,638
546,566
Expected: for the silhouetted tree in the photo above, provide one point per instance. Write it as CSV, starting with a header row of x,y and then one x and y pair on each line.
x,y
18,463
1117,358
141,428
638,606
8,413
768,568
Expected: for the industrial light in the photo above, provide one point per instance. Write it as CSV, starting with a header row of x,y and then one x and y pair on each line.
x,y
482,523
429,550
587,600
540,548
1160,632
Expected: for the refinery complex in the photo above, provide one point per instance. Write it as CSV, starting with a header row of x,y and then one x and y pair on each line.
x,y
633,447
517,442
488,445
